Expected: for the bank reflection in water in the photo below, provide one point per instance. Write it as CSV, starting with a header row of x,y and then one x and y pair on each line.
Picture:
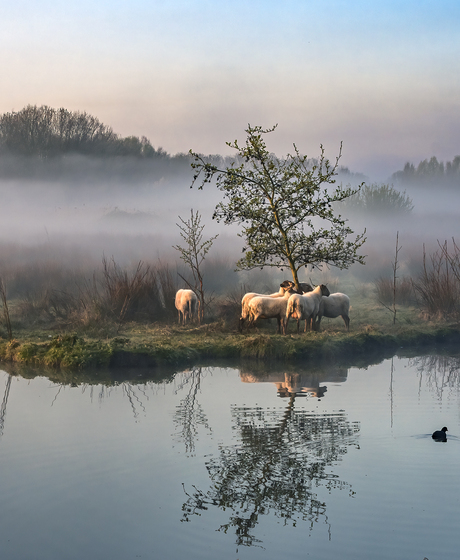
x,y
440,373
281,458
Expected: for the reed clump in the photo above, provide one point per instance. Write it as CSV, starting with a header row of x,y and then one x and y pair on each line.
x,y
404,291
111,297
438,285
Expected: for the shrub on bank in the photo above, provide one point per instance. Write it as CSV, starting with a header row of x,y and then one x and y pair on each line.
x,y
385,291
113,296
438,284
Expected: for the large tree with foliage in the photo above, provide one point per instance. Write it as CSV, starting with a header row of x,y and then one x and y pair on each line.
x,y
286,212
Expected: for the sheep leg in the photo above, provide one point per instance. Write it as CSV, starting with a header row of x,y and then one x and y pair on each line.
x,y
251,321
286,321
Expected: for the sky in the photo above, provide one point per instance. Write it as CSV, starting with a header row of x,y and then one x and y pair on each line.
x,y
380,76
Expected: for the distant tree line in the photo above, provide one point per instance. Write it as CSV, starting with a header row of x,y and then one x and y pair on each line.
x,y
48,144
43,135
47,132
429,172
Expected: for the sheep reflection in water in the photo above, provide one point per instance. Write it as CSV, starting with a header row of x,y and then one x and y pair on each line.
x,y
298,383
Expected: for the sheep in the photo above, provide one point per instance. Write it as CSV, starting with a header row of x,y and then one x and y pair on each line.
x,y
245,315
305,287
187,305
305,306
284,286
265,307
335,305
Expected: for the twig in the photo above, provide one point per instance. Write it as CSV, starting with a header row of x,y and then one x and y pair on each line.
x,y
6,312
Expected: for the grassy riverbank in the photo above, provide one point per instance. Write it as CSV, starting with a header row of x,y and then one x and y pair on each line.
x,y
161,346
112,345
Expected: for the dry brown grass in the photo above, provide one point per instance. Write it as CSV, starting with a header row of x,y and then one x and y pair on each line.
x,y
112,294
405,294
102,301
438,284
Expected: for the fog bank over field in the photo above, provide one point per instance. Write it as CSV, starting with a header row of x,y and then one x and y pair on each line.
x,y
75,222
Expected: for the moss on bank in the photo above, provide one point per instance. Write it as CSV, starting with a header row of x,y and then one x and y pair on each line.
x,y
174,347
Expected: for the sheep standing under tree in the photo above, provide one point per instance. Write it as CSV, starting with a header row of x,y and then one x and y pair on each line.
x,y
306,307
336,305
245,313
270,308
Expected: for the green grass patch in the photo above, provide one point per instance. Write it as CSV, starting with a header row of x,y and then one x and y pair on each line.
x,y
174,347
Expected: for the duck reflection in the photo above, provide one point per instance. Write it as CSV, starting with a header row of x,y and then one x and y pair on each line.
x,y
281,459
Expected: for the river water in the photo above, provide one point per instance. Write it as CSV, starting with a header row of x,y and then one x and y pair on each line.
x,y
218,463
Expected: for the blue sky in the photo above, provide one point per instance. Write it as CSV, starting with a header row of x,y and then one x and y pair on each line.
x,y
381,76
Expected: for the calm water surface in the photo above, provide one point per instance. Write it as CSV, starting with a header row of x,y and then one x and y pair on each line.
x,y
223,463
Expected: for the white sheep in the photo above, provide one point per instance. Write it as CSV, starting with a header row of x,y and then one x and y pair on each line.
x,y
187,305
306,306
264,307
245,313
336,305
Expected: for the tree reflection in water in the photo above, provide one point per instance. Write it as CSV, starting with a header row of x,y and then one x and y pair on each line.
x,y
136,394
189,413
281,457
4,403
441,372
